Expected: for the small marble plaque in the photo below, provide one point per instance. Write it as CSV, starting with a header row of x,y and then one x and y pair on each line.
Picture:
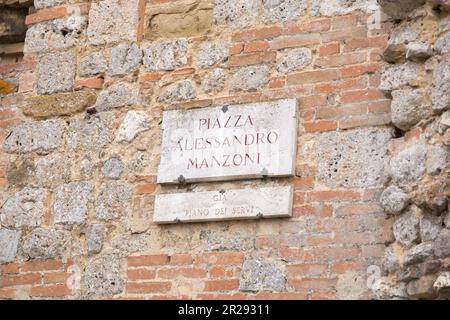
x,y
270,202
228,143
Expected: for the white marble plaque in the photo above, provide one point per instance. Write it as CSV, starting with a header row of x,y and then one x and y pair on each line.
x,y
228,143
223,205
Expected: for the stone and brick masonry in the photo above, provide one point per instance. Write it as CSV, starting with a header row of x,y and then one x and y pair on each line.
x,y
80,136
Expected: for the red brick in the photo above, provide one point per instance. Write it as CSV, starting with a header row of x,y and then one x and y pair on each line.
x,y
342,59
181,259
326,254
256,46
320,126
282,296
359,208
19,280
149,287
309,210
220,271
56,277
148,260
90,83
256,34
7,293
140,274
151,76
303,183
320,239
329,49
141,21
335,86
222,285
44,265
375,42
297,40
236,49
251,58
360,95
277,82
45,14
221,296
291,254
10,268
323,296
220,258
242,98
342,267
365,121
58,290
170,273
146,188
333,195
312,77
356,71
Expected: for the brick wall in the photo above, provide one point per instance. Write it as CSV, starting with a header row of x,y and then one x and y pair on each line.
x,y
78,201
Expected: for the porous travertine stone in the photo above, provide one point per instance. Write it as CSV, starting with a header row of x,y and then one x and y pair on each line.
x,y
113,201
56,72
442,44
393,200
418,51
91,134
45,243
112,21
24,209
53,171
124,59
397,76
390,260
422,288
35,135
112,168
41,4
408,166
95,234
342,7
283,10
92,64
438,159
408,108
210,54
134,123
419,253
55,34
236,13
249,78
261,275
224,240
442,281
71,201
116,96
442,249
440,90
406,228
9,242
214,81
399,9
430,226
165,55
397,43
295,59
180,91
58,104
387,288
103,275
340,164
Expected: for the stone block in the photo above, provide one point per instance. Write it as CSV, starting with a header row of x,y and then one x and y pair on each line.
x,y
9,242
116,96
124,59
261,275
92,64
166,55
406,228
238,14
294,60
95,234
90,133
103,275
56,73
134,123
71,201
393,200
114,200
45,243
179,91
249,78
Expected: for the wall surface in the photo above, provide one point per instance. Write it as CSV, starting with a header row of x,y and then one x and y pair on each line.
x,y
80,136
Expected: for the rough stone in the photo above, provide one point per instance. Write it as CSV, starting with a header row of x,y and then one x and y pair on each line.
x,y
387,288
340,164
295,59
180,91
210,54
139,162
397,43
56,73
116,96
103,275
45,243
92,64
166,55
407,108
390,260
55,34
53,171
283,10
237,13
24,209
249,78
442,249
443,281
422,288
20,171
113,21
113,201
408,166
440,91
225,241
342,7
397,76
35,135
214,81
134,123
91,134
124,59
430,226
9,242
418,51
112,168
95,234
71,202
41,4
393,200
260,275
419,253
59,104
399,9
442,44
406,229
